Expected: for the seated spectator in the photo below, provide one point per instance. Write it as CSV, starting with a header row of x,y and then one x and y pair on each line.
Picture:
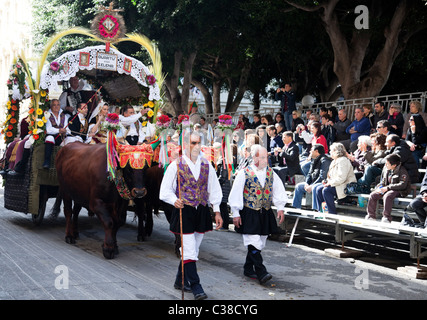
x,y
378,148
341,126
415,107
279,118
316,130
383,127
318,137
396,120
322,111
359,127
328,131
257,121
394,182
288,158
319,168
296,120
275,142
339,175
304,134
417,205
394,146
246,159
333,114
307,115
358,157
240,123
280,128
314,117
416,137
261,132
367,111
380,112
267,119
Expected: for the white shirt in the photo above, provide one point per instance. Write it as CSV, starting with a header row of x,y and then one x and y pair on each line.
x,y
169,183
130,121
235,199
54,131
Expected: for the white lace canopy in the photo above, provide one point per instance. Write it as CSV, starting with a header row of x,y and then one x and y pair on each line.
x,y
86,59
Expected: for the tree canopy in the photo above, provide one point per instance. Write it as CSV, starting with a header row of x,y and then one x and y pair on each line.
x,y
242,46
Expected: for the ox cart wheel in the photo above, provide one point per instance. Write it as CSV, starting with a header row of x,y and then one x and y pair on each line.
x,y
46,192
38,218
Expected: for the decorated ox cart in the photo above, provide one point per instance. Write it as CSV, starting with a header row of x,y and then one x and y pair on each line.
x,y
107,73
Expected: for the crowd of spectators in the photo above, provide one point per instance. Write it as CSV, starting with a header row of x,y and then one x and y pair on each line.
x,y
338,157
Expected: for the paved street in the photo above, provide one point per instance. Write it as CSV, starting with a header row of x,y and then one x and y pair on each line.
x,y
36,263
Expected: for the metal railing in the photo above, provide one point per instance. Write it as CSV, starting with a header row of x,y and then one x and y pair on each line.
x,y
403,99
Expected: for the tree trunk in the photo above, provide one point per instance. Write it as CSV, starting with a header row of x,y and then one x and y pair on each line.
x,y
188,74
206,95
216,93
233,104
348,58
179,100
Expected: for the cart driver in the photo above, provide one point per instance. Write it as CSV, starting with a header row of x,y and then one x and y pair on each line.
x,y
70,98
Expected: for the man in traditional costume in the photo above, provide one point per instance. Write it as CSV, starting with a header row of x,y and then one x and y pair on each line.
x,y
190,184
254,191
56,130
132,127
78,125
70,98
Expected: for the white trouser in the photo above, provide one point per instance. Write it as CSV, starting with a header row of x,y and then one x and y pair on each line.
x,y
192,243
256,240
71,139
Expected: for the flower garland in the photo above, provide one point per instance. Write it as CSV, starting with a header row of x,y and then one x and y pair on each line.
x,y
225,122
38,117
111,122
148,116
17,90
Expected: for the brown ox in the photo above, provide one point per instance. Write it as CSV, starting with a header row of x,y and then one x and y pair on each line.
x,y
83,178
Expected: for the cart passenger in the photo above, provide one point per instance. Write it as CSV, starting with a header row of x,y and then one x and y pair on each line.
x,y
56,130
78,125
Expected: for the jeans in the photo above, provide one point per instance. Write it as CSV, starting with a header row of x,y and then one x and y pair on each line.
x,y
305,167
328,195
288,120
300,191
369,176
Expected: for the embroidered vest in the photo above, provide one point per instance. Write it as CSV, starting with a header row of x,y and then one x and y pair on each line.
x,y
83,127
193,192
61,121
254,195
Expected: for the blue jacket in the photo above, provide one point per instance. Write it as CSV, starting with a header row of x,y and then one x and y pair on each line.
x,y
286,97
363,128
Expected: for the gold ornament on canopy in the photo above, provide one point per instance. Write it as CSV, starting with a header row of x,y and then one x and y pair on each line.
x,y
108,24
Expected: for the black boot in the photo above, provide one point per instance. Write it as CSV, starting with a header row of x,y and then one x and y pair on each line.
x,y
260,270
5,169
248,267
21,165
47,153
190,271
178,280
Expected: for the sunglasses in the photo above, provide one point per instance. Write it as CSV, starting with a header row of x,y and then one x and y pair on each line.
x,y
195,143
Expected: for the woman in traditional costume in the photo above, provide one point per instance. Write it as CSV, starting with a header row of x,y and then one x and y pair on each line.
x,y
96,132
